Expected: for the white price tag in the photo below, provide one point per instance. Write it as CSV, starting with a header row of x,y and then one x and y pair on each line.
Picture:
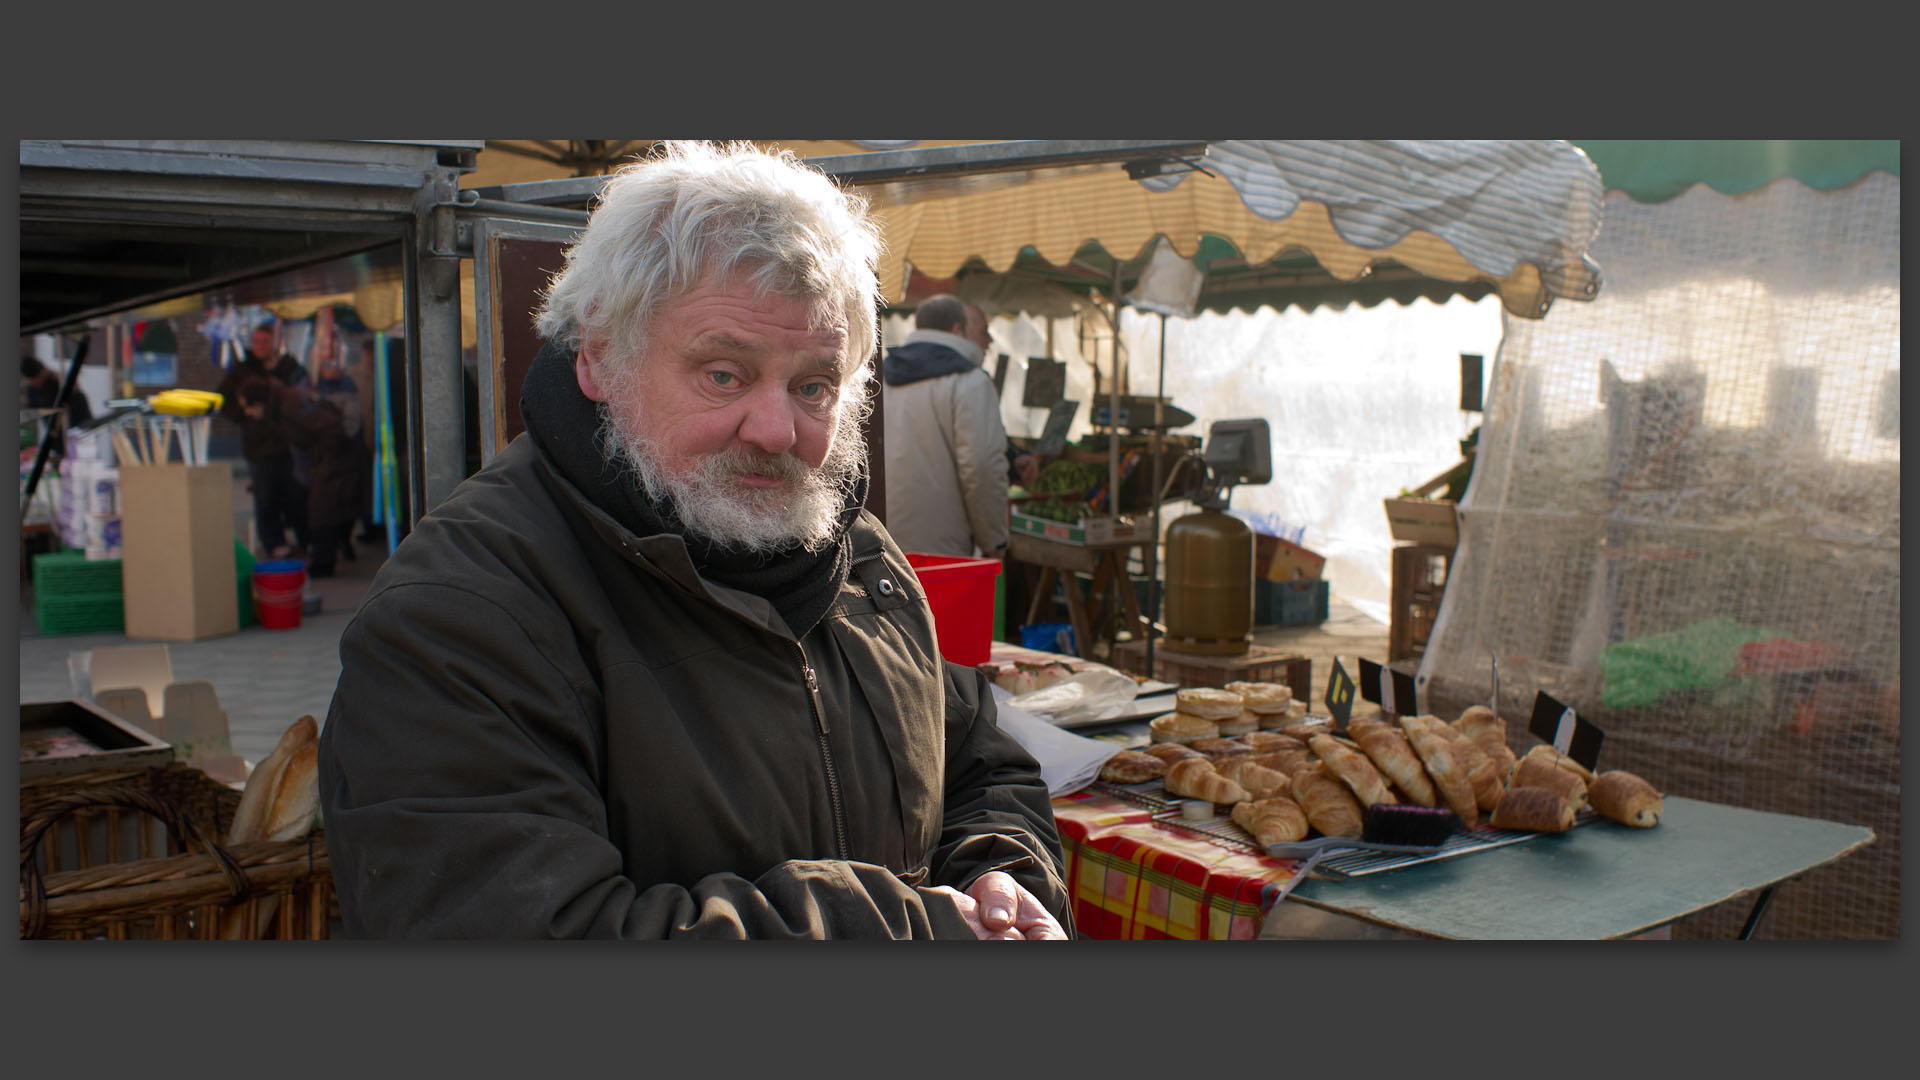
x,y
1563,734
1386,691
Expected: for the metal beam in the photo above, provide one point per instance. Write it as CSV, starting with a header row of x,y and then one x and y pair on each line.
x,y
976,158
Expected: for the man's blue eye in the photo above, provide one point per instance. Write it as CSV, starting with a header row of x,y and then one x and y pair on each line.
x,y
722,378
814,391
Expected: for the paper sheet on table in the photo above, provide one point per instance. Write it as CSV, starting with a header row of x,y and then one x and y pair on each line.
x,y
1089,695
1068,762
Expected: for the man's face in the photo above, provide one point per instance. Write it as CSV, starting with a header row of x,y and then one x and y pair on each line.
x,y
735,410
263,343
976,329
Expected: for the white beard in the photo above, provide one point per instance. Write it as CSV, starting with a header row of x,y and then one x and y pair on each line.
x,y
804,511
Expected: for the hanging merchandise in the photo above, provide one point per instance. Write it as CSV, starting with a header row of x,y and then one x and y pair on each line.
x,y
227,331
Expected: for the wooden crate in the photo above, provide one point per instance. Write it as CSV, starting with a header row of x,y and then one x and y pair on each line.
x,y
1419,581
94,863
1260,663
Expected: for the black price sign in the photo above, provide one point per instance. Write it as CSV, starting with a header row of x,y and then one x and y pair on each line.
x,y
1391,690
1339,696
1561,726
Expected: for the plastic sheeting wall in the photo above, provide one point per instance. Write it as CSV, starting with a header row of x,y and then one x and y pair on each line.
x,y
1685,522
1360,402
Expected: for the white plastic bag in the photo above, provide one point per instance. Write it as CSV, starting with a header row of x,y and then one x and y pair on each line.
x,y
1088,695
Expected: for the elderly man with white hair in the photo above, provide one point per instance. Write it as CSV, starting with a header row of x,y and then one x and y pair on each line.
x,y
654,672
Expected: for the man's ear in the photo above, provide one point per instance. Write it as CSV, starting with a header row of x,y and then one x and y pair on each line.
x,y
588,363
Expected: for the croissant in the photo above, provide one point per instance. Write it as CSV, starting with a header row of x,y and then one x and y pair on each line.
x,y
1260,781
1482,774
1220,749
1276,820
1532,809
1390,751
1541,773
1488,732
1133,767
1562,760
1435,751
1353,768
1266,742
1198,780
1623,797
1329,804
1171,752
1288,761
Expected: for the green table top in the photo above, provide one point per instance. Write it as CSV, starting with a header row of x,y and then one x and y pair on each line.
x,y
1599,880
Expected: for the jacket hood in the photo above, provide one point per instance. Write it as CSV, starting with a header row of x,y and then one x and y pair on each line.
x,y
925,359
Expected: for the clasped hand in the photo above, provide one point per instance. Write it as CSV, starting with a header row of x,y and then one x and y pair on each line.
x,y
998,908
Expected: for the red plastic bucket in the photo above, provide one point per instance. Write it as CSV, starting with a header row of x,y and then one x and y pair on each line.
x,y
960,592
279,589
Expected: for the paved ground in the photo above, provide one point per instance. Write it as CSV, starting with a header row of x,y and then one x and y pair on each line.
x,y
267,679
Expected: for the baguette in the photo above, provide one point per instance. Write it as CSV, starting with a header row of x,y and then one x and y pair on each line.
x,y
296,798
1435,751
256,801
1389,750
1328,803
1353,768
1276,820
1532,809
1541,773
1260,781
1199,780
1623,797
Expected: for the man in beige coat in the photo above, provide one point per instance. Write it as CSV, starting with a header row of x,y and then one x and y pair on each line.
x,y
946,445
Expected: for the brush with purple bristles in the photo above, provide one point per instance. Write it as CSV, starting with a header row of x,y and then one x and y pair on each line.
x,y
1401,830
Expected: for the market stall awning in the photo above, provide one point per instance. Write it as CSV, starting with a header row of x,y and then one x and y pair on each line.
x,y
1655,170
1517,215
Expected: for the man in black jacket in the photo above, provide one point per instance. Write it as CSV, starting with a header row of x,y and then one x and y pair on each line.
x,y
654,672
279,498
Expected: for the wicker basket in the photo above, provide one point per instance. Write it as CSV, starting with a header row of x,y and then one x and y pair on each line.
x,y
104,826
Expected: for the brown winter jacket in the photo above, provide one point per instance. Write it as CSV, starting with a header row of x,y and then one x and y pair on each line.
x,y
546,726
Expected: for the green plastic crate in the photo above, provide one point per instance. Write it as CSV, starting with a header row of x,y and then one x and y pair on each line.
x,y
79,613
70,573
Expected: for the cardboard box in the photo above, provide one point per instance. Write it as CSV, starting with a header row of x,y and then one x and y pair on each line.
x,y
177,551
1098,530
1424,521
1276,559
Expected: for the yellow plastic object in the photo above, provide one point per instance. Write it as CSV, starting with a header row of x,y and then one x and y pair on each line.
x,y
185,402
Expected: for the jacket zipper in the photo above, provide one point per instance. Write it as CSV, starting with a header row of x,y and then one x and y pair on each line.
x,y
826,753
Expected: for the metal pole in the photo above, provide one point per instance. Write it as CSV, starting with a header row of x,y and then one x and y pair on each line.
x,y
1153,549
442,397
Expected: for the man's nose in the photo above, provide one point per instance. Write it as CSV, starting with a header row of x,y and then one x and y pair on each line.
x,y
768,425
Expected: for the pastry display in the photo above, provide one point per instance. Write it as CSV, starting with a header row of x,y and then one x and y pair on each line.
x,y
1171,752
1266,699
1532,809
1449,777
1541,773
1353,768
1181,728
1199,780
1208,703
1387,747
1329,804
1132,767
1260,781
1623,797
1276,820
1220,749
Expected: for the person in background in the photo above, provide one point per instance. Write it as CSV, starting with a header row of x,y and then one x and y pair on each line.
x,y
946,446
40,389
1022,465
279,499
328,427
653,671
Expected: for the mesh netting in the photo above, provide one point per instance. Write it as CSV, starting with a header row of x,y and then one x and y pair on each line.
x,y
1685,522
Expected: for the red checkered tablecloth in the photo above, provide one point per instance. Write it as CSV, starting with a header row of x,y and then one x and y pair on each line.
x,y
1134,878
